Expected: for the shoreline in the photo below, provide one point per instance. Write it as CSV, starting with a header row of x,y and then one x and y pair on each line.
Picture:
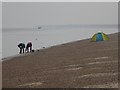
x,y
37,50
20,55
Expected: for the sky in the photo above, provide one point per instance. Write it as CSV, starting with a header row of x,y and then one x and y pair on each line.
x,y
0,30
59,0
31,14
0,15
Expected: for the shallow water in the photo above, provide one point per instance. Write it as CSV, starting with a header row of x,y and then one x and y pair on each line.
x,y
46,36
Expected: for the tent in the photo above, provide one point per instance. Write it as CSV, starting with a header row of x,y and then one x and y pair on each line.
x,y
100,36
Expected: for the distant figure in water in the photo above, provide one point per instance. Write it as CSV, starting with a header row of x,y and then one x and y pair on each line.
x,y
21,46
29,47
43,47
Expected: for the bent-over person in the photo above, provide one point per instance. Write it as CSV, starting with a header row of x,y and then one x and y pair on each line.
x,y
21,47
29,47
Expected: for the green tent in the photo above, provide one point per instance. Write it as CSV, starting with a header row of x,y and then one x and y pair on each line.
x,y
100,36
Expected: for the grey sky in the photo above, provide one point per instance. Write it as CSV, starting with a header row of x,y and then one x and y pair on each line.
x,y
0,14
26,14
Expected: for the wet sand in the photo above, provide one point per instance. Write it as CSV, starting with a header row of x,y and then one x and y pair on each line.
x,y
80,64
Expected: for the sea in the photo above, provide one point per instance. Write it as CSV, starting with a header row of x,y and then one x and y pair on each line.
x,y
47,36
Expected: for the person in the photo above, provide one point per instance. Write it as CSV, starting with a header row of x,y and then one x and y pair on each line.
x,y
29,47
21,47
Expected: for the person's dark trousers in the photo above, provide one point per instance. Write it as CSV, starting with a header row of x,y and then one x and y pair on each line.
x,y
20,51
23,50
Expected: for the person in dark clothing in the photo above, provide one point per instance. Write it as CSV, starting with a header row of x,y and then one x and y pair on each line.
x,y
21,46
29,47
